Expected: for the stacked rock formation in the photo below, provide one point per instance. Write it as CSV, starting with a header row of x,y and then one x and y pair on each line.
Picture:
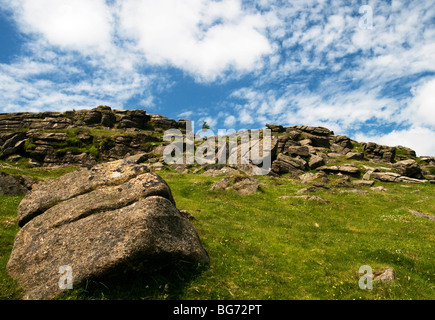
x,y
102,222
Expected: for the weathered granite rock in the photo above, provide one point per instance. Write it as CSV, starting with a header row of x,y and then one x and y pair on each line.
x,y
244,185
121,219
385,176
302,151
275,128
355,155
345,169
223,171
286,164
408,168
343,141
316,161
162,122
11,143
379,152
386,275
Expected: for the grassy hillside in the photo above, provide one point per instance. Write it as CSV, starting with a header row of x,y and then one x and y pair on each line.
x,y
262,246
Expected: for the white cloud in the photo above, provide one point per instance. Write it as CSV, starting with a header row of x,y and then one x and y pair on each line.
x,y
204,38
78,25
230,121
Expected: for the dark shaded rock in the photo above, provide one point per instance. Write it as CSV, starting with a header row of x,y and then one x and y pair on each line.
x,y
92,118
293,134
302,151
363,183
336,148
11,186
355,155
385,176
318,140
12,143
316,161
276,128
343,141
162,122
108,119
386,275
378,152
317,131
422,215
408,168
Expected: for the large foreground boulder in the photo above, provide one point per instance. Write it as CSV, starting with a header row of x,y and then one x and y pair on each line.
x,y
408,168
113,219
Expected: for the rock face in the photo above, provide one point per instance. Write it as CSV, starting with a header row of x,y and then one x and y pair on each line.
x,y
25,135
88,137
408,168
102,222
286,164
346,170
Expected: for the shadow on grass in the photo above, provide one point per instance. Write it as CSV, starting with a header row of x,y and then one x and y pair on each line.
x,y
168,284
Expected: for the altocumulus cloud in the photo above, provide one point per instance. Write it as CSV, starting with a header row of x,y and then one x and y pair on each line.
x,y
299,62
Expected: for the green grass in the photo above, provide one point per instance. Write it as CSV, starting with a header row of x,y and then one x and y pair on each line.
x,y
262,247
8,229
22,168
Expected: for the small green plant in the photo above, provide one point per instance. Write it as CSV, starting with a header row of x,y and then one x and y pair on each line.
x,y
107,143
432,171
93,150
357,147
29,145
205,126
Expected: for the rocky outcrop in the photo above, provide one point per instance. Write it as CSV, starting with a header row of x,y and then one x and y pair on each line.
x,y
408,168
379,152
88,137
104,222
72,137
243,185
102,116
287,164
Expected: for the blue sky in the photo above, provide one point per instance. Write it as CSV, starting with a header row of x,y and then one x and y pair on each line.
x,y
365,69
